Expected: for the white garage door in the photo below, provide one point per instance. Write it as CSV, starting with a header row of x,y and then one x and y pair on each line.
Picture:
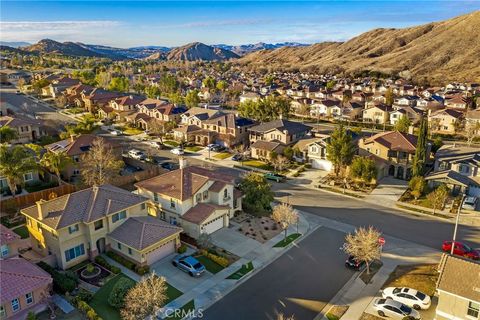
x,y
213,225
321,164
161,252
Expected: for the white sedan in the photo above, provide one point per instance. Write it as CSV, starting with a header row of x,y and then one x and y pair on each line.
x,y
410,297
395,310
177,151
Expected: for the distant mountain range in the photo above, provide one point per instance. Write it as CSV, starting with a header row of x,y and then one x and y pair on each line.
x,y
192,51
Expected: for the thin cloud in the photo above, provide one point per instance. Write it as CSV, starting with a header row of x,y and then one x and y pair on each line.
x,y
215,23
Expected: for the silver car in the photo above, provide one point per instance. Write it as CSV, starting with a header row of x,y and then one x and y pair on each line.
x,y
394,309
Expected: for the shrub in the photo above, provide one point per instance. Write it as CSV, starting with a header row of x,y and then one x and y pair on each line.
x,y
125,262
61,283
71,275
417,186
119,290
90,268
104,263
87,310
215,258
182,249
141,270
83,306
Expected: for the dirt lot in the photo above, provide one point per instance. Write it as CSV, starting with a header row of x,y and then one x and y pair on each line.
x,y
261,229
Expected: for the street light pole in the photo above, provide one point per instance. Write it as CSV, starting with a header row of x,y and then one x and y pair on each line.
x,y
456,224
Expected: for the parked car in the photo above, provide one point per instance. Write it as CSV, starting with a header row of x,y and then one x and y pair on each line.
x,y
189,264
461,249
115,132
215,147
137,154
237,157
352,263
410,297
470,203
155,144
274,177
168,166
394,309
177,151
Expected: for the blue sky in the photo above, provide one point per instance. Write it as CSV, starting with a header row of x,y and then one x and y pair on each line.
x,y
136,23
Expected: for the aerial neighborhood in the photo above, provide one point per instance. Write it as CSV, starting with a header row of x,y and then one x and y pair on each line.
x,y
140,183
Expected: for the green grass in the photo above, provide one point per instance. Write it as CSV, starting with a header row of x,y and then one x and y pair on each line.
x,y
210,265
183,311
246,268
132,131
287,240
171,143
257,164
223,155
332,317
193,149
172,293
22,231
100,303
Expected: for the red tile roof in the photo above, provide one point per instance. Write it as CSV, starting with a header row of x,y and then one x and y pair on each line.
x,y
7,236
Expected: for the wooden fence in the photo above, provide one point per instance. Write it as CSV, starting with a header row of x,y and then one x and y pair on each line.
x,y
12,204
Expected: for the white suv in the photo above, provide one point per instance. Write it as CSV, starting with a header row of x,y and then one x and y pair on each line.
x,y
137,154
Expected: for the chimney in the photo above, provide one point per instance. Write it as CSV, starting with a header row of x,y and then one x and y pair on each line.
x,y
41,214
182,162
71,138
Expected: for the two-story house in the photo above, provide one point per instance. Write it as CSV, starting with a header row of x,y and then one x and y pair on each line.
x,y
28,130
459,168
275,136
393,152
195,198
24,287
377,113
118,109
458,289
79,226
446,121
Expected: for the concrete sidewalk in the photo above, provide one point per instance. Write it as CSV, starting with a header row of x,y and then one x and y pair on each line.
x,y
215,288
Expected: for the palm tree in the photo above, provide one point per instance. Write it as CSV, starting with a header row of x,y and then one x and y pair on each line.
x,y
15,162
55,162
7,134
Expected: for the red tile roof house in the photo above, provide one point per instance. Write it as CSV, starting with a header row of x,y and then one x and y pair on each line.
x,y
9,242
23,287
195,198
79,226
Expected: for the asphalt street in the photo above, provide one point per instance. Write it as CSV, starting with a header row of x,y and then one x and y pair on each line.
x,y
300,282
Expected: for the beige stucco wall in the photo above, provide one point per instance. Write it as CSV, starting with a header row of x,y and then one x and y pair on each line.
x,y
38,295
452,307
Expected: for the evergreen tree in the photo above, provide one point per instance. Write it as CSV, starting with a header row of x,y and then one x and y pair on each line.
x,y
421,151
340,149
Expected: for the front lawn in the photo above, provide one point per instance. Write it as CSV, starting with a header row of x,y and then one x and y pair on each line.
x,y
422,277
100,303
193,149
210,265
286,241
222,156
183,311
132,131
172,293
246,268
257,164
22,231
171,143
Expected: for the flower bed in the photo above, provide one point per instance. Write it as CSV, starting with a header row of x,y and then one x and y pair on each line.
x,y
141,270
97,276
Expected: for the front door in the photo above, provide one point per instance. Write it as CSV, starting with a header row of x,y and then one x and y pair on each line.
x,y
101,245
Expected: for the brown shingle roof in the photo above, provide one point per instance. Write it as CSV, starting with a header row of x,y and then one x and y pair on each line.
x,y
77,145
266,145
183,183
201,212
395,140
19,277
142,232
459,276
85,206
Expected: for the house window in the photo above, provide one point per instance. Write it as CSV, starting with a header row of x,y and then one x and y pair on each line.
x,y
199,197
98,224
119,216
473,309
314,149
3,312
142,206
119,246
225,194
29,297
74,252
155,197
15,305
130,251
4,250
172,203
28,177
72,229
205,195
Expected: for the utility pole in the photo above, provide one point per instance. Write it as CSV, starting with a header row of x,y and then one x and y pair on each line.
x,y
456,224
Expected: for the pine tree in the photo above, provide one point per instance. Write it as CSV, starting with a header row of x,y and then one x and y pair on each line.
x,y
421,151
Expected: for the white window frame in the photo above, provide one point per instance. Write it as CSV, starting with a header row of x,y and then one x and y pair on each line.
x,y
17,303
29,175
29,296
4,250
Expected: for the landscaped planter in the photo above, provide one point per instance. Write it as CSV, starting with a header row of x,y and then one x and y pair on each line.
x,y
97,277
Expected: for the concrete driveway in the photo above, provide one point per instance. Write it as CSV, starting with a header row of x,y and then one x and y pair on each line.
x,y
233,241
175,277
388,191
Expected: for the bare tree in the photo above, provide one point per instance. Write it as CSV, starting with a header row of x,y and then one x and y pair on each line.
x,y
285,216
280,162
472,130
437,197
145,299
61,101
363,245
99,165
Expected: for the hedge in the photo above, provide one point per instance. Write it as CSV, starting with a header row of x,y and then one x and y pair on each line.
x,y
104,263
182,249
215,258
61,282
87,310
141,270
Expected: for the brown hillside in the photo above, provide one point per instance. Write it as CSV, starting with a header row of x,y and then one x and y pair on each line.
x,y
447,50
